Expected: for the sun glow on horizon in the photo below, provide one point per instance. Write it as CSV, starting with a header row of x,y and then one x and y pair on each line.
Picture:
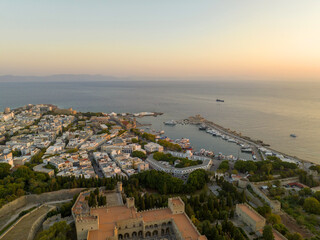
x,y
265,39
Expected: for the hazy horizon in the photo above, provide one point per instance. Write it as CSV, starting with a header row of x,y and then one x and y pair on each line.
x,y
108,78
257,40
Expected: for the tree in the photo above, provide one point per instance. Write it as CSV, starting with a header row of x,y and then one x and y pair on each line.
x,y
224,166
16,153
295,236
267,233
58,231
267,168
4,170
311,205
134,140
274,219
317,195
139,154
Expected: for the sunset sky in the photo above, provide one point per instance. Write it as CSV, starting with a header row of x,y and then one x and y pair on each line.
x,y
265,39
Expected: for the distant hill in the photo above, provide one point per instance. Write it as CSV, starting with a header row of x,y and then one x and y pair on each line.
x,y
59,78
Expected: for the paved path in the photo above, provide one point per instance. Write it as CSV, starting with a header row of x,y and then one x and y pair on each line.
x,y
21,230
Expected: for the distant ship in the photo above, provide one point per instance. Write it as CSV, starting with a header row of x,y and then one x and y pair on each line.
x,y
170,123
293,135
219,100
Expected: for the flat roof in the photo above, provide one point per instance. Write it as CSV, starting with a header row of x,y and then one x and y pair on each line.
x,y
177,201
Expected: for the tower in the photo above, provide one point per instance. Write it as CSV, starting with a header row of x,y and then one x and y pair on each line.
x,y
119,187
130,202
7,110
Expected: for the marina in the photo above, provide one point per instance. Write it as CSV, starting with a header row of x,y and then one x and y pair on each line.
x,y
204,142
205,136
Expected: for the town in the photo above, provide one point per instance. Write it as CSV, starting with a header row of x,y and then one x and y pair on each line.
x,y
131,183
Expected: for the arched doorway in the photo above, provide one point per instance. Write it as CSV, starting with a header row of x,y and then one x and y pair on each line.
x,y
126,235
134,234
148,234
162,232
155,233
140,233
168,231
120,236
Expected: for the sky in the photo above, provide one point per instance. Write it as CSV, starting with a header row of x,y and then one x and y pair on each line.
x,y
265,39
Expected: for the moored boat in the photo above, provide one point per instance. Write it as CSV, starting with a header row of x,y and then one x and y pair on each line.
x,y
170,123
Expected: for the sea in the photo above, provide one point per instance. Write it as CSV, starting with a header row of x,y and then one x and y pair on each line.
x,y
269,111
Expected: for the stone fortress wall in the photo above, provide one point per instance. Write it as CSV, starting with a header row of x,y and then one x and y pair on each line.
x,y
38,199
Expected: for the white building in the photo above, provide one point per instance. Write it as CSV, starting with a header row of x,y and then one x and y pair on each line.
x,y
153,147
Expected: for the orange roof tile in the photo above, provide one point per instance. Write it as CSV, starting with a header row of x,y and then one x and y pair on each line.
x,y
251,213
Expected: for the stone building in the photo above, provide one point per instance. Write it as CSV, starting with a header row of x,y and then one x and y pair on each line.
x,y
118,221
250,217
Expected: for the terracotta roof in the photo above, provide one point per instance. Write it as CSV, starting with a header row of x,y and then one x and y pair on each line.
x,y
109,218
251,213
276,235
155,215
185,227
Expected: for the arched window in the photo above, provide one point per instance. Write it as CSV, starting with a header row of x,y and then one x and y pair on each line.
x,y
140,233
148,234
120,236
155,233
134,234
126,235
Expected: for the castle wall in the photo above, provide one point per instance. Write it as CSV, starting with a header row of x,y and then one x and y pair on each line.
x,y
84,225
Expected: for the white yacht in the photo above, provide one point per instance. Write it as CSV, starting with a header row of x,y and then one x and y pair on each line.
x,y
170,123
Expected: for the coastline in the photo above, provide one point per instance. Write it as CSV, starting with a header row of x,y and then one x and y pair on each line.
x,y
198,119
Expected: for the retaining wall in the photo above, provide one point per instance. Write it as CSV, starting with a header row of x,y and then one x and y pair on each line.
x,y
37,224
38,199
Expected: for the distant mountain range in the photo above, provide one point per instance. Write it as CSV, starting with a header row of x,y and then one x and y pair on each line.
x,y
60,78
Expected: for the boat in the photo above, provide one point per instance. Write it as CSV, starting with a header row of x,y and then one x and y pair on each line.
x,y
219,100
246,150
218,134
293,135
202,127
232,140
209,130
170,123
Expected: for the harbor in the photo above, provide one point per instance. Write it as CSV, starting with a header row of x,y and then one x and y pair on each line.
x,y
200,141
206,135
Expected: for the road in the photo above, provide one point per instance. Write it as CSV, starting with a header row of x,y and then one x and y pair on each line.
x,y
96,168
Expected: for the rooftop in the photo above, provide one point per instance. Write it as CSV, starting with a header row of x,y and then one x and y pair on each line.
x,y
250,212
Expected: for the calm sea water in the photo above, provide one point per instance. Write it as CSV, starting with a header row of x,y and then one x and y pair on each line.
x,y
266,111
